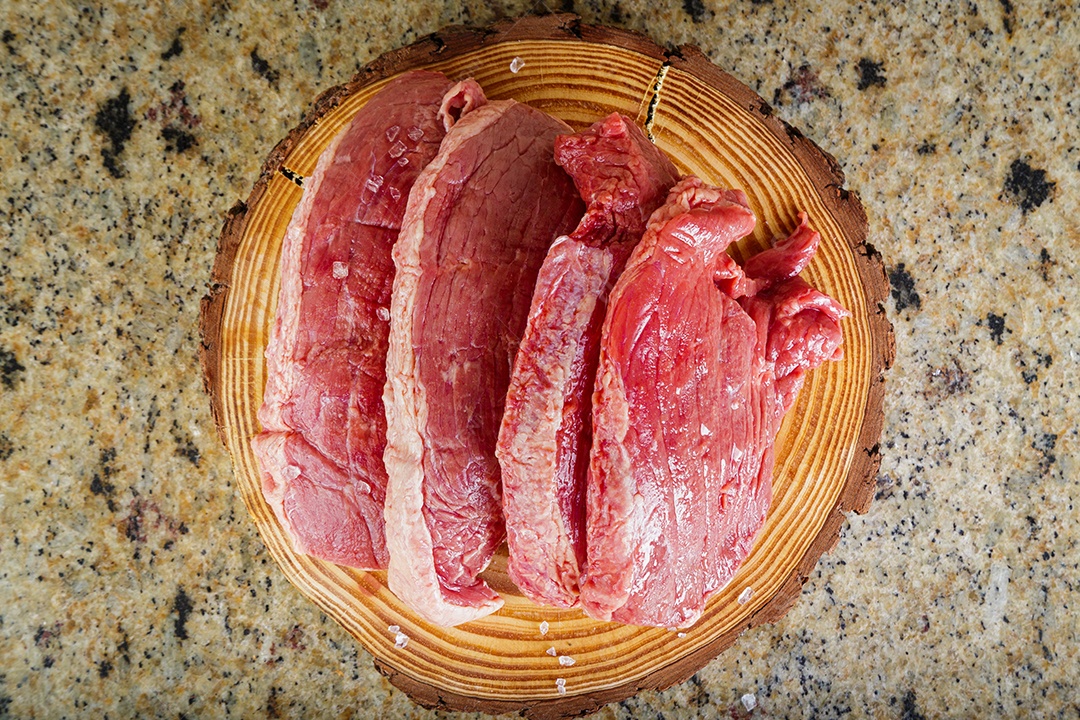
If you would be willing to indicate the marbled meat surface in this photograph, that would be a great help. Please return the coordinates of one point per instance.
(323, 425)
(699, 361)
(546, 429)
(480, 221)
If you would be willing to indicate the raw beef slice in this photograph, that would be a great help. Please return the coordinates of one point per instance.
(690, 392)
(544, 440)
(324, 429)
(480, 219)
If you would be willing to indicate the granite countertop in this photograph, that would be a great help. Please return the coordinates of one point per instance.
(132, 581)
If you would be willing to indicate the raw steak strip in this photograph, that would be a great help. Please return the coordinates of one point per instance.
(546, 429)
(480, 219)
(689, 398)
(324, 429)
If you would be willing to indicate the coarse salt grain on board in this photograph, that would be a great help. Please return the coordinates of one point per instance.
(566, 660)
(745, 595)
(544, 627)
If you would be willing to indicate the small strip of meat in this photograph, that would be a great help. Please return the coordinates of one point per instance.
(480, 220)
(803, 324)
(545, 436)
(323, 425)
(698, 364)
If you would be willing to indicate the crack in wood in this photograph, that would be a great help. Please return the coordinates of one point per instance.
(654, 101)
(293, 176)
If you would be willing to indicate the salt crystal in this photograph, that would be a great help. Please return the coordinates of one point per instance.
(397, 149)
(392, 133)
(340, 269)
(749, 701)
(383, 313)
(516, 64)
(373, 183)
(560, 685)
(394, 628)
(403, 161)
(401, 640)
(566, 660)
(745, 595)
(292, 472)
(551, 651)
(394, 193)
(544, 627)
(415, 133)
(705, 431)
(681, 635)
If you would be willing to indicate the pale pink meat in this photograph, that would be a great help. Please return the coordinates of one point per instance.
(545, 435)
(479, 222)
(698, 363)
(323, 424)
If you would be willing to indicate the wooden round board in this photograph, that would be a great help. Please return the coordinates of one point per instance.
(826, 453)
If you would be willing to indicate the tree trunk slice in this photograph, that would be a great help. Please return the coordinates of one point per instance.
(826, 454)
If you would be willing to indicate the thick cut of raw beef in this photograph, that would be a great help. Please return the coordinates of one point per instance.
(690, 391)
(324, 429)
(546, 433)
(480, 220)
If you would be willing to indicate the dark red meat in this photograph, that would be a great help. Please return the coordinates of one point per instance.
(545, 436)
(480, 220)
(324, 429)
(690, 391)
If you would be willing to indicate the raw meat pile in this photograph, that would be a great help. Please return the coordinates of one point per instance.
(493, 328)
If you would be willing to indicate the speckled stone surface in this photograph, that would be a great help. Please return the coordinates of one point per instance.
(131, 580)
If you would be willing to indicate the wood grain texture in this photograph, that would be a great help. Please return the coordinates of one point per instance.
(827, 456)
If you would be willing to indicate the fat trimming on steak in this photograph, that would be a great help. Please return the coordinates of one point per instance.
(546, 433)
(690, 392)
(324, 429)
(480, 220)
